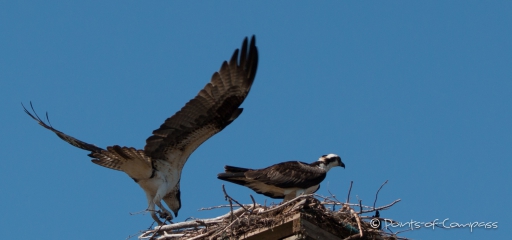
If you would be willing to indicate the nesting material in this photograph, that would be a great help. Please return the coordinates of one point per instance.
(304, 217)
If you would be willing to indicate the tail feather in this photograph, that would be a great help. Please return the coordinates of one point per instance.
(234, 174)
(232, 169)
(237, 178)
(229, 176)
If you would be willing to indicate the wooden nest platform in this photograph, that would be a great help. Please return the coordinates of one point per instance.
(304, 217)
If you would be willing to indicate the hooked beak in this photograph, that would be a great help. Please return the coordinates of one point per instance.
(342, 164)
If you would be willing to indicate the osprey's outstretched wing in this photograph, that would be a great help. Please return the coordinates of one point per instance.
(157, 168)
(113, 157)
(214, 107)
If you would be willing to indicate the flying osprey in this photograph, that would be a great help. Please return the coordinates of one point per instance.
(283, 180)
(157, 168)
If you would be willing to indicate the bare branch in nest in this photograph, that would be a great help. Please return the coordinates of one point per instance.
(377, 194)
(253, 207)
(401, 231)
(383, 207)
(154, 235)
(198, 222)
(253, 202)
(322, 197)
(139, 212)
(356, 216)
(200, 236)
(227, 226)
(349, 190)
(169, 236)
(363, 208)
(353, 236)
(297, 205)
(360, 203)
(333, 196)
(285, 204)
(221, 206)
(228, 197)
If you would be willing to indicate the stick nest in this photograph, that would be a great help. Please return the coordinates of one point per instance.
(246, 219)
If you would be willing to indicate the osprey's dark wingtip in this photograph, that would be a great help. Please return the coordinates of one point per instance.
(27, 112)
(253, 41)
(36, 117)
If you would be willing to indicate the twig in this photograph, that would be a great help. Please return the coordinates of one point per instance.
(195, 223)
(285, 204)
(352, 236)
(350, 204)
(231, 210)
(253, 203)
(401, 231)
(229, 199)
(139, 212)
(324, 197)
(356, 216)
(377, 194)
(231, 223)
(200, 236)
(349, 190)
(227, 196)
(334, 196)
(395, 234)
(174, 235)
(154, 235)
(221, 206)
(297, 205)
(219, 232)
(253, 207)
(369, 209)
(383, 207)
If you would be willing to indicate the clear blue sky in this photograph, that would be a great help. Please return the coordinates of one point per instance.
(417, 93)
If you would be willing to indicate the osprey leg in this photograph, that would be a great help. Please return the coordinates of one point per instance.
(152, 211)
(166, 214)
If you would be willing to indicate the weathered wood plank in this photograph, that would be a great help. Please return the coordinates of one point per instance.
(316, 232)
(280, 231)
(292, 228)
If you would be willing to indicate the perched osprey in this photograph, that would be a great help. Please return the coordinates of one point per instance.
(283, 180)
(157, 168)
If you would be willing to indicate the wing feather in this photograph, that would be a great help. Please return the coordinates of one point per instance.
(289, 174)
(127, 159)
(114, 157)
(214, 107)
(69, 139)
